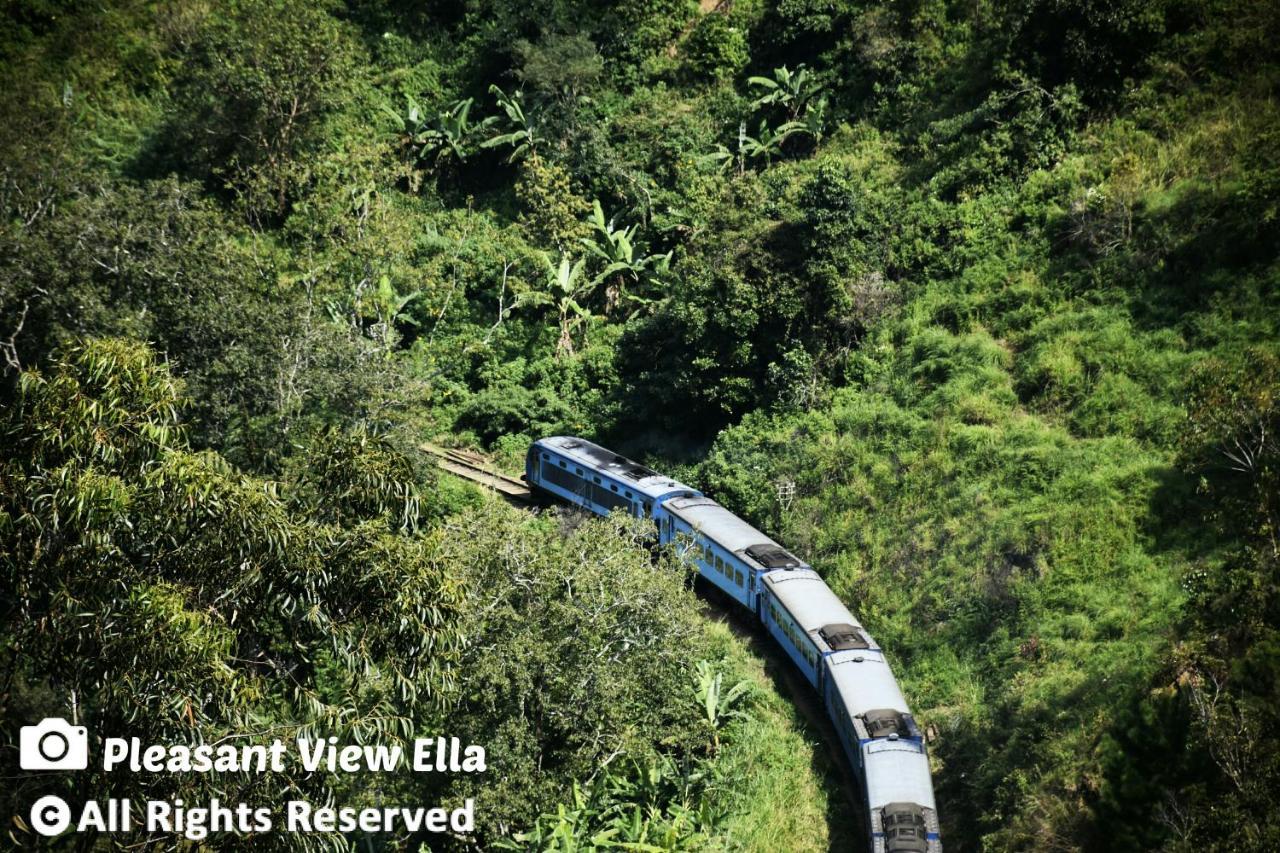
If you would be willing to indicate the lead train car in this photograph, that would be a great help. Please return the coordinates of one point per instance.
(809, 623)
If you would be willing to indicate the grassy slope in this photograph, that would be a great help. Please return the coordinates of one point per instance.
(998, 495)
(787, 792)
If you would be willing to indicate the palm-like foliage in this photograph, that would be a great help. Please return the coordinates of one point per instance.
(799, 96)
(655, 808)
(721, 159)
(622, 258)
(814, 120)
(567, 286)
(804, 115)
(389, 310)
(788, 89)
(376, 312)
(522, 134)
(768, 141)
(434, 139)
(647, 809)
(718, 704)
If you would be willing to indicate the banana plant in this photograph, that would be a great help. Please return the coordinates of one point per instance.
(767, 143)
(437, 138)
(523, 133)
(788, 89)
(568, 287)
(647, 810)
(761, 148)
(388, 309)
(814, 120)
(718, 705)
(721, 159)
(622, 261)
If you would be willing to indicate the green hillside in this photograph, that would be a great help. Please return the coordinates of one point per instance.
(974, 305)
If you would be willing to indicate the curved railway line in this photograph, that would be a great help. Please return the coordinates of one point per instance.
(884, 744)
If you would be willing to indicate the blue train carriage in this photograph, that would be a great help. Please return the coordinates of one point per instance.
(582, 473)
(729, 553)
(901, 812)
(808, 621)
(886, 749)
(865, 702)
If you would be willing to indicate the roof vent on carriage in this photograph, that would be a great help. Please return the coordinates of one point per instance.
(886, 722)
(904, 828)
(841, 637)
(773, 557)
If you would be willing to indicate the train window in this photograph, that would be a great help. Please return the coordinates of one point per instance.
(562, 465)
(628, 493)
(648, 509)
(613, 487)
(595, 479)
(737, 578)
(545, 456)
(578, 470)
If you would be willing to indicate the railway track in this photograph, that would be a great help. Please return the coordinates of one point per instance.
(474, 467)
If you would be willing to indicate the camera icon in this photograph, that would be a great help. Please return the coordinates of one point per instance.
(53, 744)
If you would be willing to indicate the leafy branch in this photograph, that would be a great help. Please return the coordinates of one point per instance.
(522, 134)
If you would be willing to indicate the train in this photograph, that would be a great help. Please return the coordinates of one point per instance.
(832, 650)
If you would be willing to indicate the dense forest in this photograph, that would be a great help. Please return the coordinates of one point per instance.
(976, 305)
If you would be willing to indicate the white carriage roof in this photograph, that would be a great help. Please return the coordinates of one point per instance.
(897, 772)
(865, 682)
(730, 532)
(809, 601)
(643, 479)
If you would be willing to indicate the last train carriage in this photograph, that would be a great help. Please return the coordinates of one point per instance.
(809, 623)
